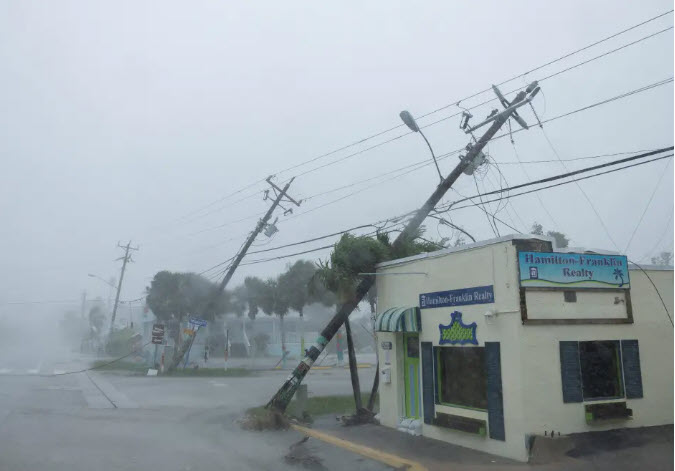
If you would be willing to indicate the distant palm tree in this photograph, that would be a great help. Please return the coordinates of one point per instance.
(618, 274)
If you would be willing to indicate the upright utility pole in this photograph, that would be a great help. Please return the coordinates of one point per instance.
(126, 258)
(280, 195)
(474, 157)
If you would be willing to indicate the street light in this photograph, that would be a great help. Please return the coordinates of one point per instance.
(410, 122)
(109, 283)
(101, 279)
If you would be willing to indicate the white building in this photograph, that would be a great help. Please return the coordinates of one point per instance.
(491, 344)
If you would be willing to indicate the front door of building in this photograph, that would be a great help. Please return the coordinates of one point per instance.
(411, 375)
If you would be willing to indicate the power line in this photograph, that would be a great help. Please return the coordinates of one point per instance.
(549, 179)
(563, 183)
(663, 234)
(569, 174)
(644, 38)
(578, 185)
(456, 103)
(665, 308)
(555, 118)
(656, 187)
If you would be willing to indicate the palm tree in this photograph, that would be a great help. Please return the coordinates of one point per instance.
(295, 282)
(353, 255)
(618, 274)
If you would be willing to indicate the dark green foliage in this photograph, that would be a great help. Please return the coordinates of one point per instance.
(354, 255)
(175, 295)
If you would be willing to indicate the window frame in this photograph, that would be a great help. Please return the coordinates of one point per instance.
(439, 383)
(619, 373)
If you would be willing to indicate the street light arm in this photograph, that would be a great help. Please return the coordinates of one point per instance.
(101, 279)
(432, 154)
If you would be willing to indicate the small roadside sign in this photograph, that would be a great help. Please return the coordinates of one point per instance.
(199, 322)
(157, 334)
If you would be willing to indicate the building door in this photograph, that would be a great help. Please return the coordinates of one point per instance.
(411, 375)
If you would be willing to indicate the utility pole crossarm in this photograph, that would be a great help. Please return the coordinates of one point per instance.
(283, 396)
(262, 223)
(126, 258)
(258, 228)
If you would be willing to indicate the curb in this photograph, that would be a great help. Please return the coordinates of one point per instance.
(387, 458)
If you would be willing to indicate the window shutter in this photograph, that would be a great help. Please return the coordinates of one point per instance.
(428, 382)
(495, 400)
(632, 375)
(570, 372)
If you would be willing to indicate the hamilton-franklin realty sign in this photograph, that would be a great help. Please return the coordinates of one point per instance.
(457, 297)
(573, 270)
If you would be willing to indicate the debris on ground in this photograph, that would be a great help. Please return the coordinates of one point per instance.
(300, 455)
(264, 419)
(362, 416)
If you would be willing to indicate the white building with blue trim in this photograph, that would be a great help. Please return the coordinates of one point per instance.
(491, 344)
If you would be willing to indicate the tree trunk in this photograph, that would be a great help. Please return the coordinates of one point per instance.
(353, 372)
(302, 333)
(376, 385)
(283, 341)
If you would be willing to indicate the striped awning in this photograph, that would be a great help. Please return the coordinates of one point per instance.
(399, 319)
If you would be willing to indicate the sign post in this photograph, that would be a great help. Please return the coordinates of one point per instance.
(197, 323)
(157, 339)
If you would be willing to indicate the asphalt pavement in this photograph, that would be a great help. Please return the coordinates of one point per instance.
(104, 421)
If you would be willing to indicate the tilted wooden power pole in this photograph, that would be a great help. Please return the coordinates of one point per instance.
(280, 195)
(474, 157)
(126, 258)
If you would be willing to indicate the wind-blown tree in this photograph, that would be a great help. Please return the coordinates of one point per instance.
(295, 282)
(174, 296)
(239, 300)
(255, 290)
(274, 300)
(353, 255)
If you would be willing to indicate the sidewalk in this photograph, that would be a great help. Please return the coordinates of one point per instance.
(364, 360)
(628, 449)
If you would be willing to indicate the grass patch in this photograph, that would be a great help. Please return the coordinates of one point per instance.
(231, 372)
(324, 405)
(259, 418)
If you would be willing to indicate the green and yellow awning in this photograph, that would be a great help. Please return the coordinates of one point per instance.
(399, 319)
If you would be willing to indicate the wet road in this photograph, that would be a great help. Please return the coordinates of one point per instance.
(92, 420)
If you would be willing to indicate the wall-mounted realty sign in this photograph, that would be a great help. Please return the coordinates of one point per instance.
(458, 297)
(457, 332)
(573, 270)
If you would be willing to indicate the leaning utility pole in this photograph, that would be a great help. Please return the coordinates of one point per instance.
(280, 194)
(468, 163)
(270, 229)
(126, 258)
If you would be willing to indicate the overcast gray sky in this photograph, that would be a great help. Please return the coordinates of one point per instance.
(117, 119)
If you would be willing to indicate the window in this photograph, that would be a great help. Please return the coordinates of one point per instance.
(412, 346)
(461, 377)
(570, 296)
(600, 363)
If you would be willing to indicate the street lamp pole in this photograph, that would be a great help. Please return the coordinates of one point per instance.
(409, 121)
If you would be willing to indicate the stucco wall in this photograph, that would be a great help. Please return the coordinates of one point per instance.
(530, 362)
(490, 265)
(545, 410)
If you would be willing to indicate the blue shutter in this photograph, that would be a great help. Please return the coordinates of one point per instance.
(495, 400)
(428, 382)
(570, 372)
(632, 375)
